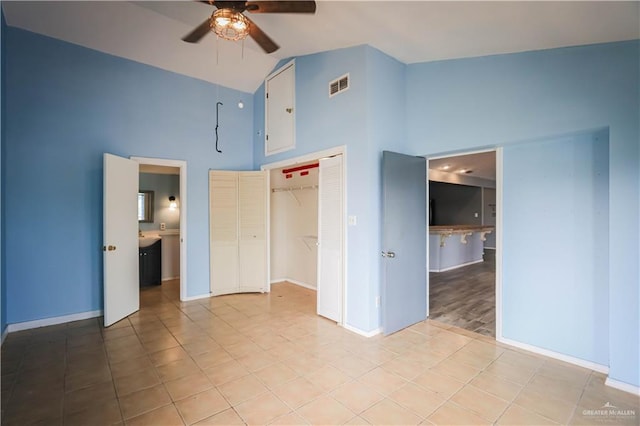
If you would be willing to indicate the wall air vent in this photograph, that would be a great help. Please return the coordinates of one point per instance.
(339, 85)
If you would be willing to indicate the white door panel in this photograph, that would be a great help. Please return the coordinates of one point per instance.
(238, 224)
(280, 111)
(253, 266)
(330, 238)
(120, 238)
(224, 268)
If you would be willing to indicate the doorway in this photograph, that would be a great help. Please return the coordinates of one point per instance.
(307, 236)
(170, 206)
(462, 241)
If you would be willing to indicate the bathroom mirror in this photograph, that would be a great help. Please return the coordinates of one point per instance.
(145, 206)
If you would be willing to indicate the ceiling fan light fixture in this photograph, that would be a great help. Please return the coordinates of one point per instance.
(229, 24)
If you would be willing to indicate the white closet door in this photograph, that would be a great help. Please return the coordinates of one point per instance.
(330, 238)
(252, 198)
(223, 217)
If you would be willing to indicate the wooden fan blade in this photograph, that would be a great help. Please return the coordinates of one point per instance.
(281, 6)
(199, 32)
(262, 38)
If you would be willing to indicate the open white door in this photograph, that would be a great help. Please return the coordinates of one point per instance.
(120, 238)
(330, 230)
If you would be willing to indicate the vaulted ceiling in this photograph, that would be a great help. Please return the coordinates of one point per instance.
(410, 31)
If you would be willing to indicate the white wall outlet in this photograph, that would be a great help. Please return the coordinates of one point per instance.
(163, 226)
(475, 214)
(353, 220)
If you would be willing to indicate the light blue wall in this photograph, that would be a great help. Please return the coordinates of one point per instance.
(497, 100)
(556, 245)
(66, 106)
(386, 106)
(163, 187)
(366, 118)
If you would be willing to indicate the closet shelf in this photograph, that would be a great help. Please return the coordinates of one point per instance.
(294, 188)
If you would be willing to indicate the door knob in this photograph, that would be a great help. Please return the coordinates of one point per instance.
(289, 110)
(111, 248)
(389, 254)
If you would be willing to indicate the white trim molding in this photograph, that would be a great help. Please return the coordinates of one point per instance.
(626, 387)
(200, 296)
(462, 265)
(294, 282)
(28, 325)
(361, 332)
(556, 355)
(498, 234)
(4, 335)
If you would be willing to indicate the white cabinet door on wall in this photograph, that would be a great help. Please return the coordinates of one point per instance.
(238, 232)
(280, 110)
(330, 238)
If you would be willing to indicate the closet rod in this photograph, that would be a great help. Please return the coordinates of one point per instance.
(294, 188)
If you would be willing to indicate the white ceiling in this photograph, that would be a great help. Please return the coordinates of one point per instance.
(158, 170)
(482, 165)
(410, 31)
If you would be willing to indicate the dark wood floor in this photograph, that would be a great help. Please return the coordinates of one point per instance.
(465, 297)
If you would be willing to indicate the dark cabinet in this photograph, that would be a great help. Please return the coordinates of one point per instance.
(150, 264)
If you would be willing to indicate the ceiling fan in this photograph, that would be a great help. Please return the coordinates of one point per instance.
(230, 23)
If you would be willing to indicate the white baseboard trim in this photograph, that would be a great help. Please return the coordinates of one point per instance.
(457, 266)
(4, 335)
(361, 332)
(298, 283)
(626, 387)
(490, 248)
(201, 296)
(556, 355)
(27, 325)
(171, 278)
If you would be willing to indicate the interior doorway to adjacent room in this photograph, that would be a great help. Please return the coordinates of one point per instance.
(462, 241)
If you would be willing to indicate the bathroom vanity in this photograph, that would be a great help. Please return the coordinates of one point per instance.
(150, 261)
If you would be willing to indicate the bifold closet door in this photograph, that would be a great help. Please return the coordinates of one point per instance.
(238, 227)
(223, 226)
(330, 238)
(252, 249)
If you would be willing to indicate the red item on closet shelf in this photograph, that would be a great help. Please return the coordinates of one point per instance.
(299, 168)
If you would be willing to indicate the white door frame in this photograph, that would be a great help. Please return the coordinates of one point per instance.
(338, 150)
(499, 177)
(182, 165)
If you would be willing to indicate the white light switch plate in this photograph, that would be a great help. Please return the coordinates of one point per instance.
(163, 226)
(353, 221)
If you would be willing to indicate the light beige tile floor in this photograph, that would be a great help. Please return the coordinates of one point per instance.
(268, 359)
